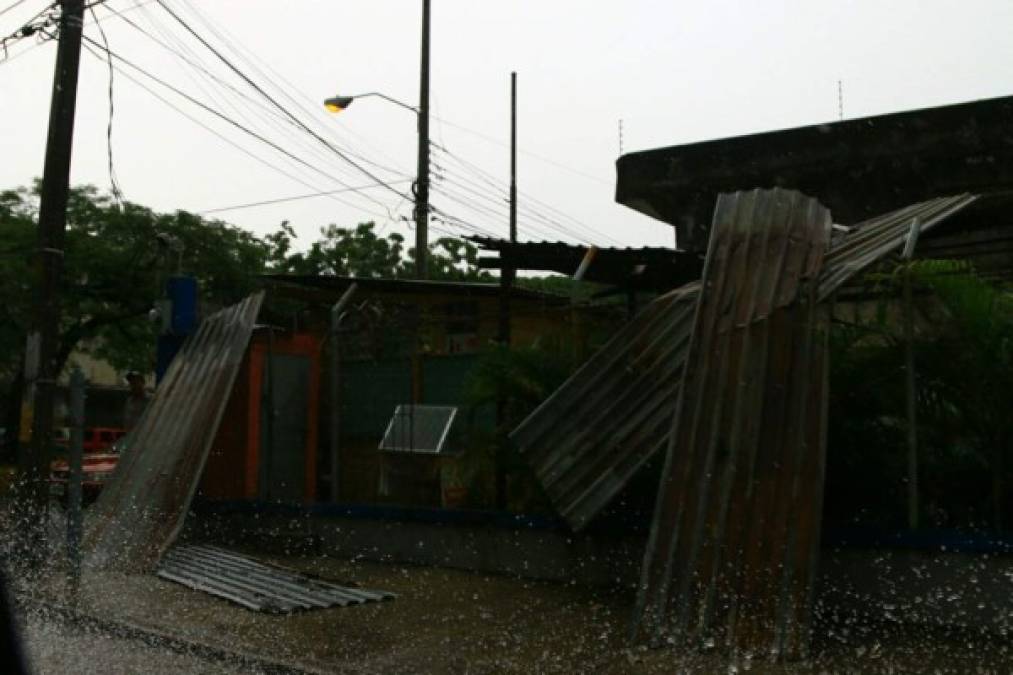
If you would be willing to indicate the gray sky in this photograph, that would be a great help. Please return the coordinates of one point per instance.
(675, 72)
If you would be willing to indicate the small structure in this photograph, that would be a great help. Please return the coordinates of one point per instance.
(413, 346)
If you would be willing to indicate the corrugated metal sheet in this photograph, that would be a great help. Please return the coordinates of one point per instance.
(654, 268)
(870, 241)
(254, 585)
(731, 554)
(139, 514)
(589, 438)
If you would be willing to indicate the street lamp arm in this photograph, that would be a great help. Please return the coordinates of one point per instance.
(385, 97)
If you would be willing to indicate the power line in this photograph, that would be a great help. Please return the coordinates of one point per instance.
(37, 25)
(217, 114)
(11, 6)
(274, 102)
(222, 137)
(281, 200)
(47, 37)
(532, 212)
(113, 183)
(195, 62)
(283, 109)
(541, 158)
(289, 91)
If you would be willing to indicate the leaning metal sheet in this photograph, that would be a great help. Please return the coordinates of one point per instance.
(605, 422)
(731, 553)
(871, 240)
(141, 511)
(254, 585)
(588, 439)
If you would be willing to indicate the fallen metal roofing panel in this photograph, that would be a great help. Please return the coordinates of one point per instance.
(255, 585)
(870, 241)
(589, 438)
(585, 441)
(141, 511)
(732, 549)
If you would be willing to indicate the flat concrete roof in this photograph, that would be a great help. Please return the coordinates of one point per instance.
(858, 168)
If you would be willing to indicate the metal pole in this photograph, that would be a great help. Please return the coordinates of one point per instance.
(422, 184)
(42, 341)
(74, 517)
(912, 428)
(337, 314)
(909, 376)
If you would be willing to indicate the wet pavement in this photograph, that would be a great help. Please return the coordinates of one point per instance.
(54, 648)
(449, 621)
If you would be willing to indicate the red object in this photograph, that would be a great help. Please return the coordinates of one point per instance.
(97, 469)
(101, 438)
(232, 471)
(95, 438)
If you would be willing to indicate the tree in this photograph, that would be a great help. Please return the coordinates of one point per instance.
(968, 365)
(964, 381)
(116, 262)
(360, 252)
(118, 257)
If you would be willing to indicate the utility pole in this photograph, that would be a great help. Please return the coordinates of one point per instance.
(41, 346)
(422, 182)
(506, 281)
(513, 161)
(507, 270)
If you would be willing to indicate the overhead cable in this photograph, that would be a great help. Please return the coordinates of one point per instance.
(274, 102)
(214, 112)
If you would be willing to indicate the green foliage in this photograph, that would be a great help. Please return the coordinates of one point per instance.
(964, 382)
(118, 257)
(518, 379)
(115, 264)
(361, 252)
(582, 291)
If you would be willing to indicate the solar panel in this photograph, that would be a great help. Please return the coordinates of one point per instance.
(419, 428)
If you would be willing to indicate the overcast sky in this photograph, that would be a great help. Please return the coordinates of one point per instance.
(674, 72)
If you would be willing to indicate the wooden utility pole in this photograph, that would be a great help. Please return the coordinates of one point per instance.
(41, 368)
(507, 274)
(507, 271)
(422, 183)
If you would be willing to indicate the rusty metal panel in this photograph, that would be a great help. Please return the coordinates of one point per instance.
(731, 554)
(140, 513)
(589, 438)
(870, 241)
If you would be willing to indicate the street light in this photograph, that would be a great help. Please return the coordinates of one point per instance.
(421, 188)
(338, 103)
